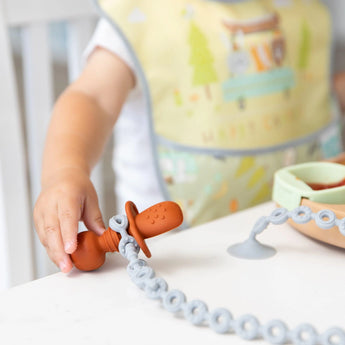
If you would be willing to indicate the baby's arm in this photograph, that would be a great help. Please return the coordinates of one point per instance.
(82, 121)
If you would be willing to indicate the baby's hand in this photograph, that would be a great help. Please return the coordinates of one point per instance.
(68, 198)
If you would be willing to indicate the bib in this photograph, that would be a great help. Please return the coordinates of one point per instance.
(235, 91)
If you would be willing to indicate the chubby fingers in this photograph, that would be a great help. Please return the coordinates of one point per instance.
(92, 215)
(48, 230)
(57, 221)
(57, 228)
(69, 214)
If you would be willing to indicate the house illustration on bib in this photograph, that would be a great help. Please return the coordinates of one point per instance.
(257, 59)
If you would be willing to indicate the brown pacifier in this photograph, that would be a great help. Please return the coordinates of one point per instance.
(157, 219)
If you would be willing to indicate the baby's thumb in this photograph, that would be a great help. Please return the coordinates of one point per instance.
(92, 216)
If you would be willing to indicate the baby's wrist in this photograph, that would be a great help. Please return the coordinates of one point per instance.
(64, 172)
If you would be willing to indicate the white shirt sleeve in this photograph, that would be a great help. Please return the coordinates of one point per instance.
(107, 37)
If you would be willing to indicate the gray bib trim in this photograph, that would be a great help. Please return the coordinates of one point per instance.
(245, 152)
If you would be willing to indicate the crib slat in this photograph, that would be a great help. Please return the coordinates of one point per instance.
(15, 193)
(39, 95)
(4, 254)
(79, 32)
(19, 12)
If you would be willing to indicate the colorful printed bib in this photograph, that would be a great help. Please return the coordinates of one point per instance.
(236, 90)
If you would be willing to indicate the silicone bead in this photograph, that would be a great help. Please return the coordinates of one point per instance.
(155, 288)
(134, 266)
(247, 327)
(124, 242)
(118, 222)
(304, 334)
(341, 226)
(275, 332)
(174, 300)
(140, 277)
(325, 219)
(195, 312)
(333, 336)
(301, 214)
(279, 216)
(220, 320)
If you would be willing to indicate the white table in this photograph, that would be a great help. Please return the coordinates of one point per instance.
(304, 282)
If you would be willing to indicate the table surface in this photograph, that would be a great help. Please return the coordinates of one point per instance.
(303, 282)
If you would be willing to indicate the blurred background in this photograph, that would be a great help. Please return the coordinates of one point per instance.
(41, 44)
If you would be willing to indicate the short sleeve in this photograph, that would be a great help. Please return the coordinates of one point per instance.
(107, 37)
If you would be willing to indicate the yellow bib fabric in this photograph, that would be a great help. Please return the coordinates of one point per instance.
(236, 90)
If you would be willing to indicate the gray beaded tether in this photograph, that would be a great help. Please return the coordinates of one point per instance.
(221, 320)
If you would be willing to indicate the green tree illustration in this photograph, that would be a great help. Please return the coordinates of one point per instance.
(201, 59)
(304, 47)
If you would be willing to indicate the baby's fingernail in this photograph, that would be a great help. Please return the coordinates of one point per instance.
(99, 231)
(63, 266)
(70, 246)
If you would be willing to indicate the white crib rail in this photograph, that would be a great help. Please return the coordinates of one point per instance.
(13, 171)
(22, 12)
(38, 95)
(21, 159)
